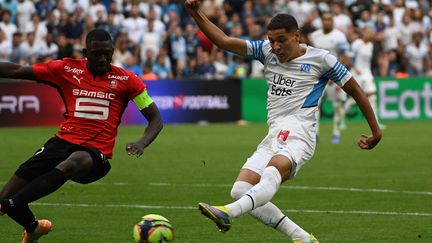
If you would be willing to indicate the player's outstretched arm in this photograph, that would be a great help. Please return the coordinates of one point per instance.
(155, 124)
(216, 35)
(366, 142)
(15, 71)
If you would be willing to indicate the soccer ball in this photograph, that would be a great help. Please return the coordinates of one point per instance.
(153, 228)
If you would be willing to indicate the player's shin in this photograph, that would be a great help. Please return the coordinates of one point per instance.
(20, 213)
(273, 217)
(40, 187)
(258, 195)
(239, 189)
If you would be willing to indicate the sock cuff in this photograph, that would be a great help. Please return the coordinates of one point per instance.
(242, 185)
(273, 173)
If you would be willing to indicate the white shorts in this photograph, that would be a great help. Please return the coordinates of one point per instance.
(335, 93)
(366, 81)
(292, 137)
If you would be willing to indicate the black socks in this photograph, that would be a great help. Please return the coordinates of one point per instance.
(17, 206)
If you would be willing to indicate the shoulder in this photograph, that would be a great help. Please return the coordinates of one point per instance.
(123, 75)
(313, 51)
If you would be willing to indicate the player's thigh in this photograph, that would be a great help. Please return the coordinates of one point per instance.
(46, 158)
(254, 166)
(295, 139)
(100, 166)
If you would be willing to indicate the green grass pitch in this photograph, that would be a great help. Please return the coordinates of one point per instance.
(343, 194)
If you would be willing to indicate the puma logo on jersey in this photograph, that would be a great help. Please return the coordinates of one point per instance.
(77, 79)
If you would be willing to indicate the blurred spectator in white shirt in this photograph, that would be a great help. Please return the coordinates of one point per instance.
(406, 29)
(70, 5)
(145, 7)
(150, 40)
(416, 54)
(121, 52)
(341, 21)
(6, 25)
(5, 47)
(97, 10)
(134, 25)
(220, 65)
(33, 48)
(18, 54)
(36, 26)
(25, 10)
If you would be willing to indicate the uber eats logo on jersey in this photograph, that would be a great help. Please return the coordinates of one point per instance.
(282, 86)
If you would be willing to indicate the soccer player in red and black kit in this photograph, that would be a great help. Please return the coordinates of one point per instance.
(95, 94)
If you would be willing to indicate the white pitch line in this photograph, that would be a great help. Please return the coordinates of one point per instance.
(316, 188)
(84, 205)
(319, 188)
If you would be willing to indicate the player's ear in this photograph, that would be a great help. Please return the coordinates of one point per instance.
(84, 52)
(297, 35)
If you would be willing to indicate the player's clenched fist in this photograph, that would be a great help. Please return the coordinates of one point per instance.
(192, 6)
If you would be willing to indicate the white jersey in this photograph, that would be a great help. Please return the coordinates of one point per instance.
(362, 55)
(362, 65)
(335, 41)
(295, 87)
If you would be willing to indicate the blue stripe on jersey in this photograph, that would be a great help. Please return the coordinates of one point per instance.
(313, 97)
(257, 52)
(336, 73)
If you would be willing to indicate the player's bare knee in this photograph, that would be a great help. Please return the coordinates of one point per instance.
(283, 164)
(78, 163)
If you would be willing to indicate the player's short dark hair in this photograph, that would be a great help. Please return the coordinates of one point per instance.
(283, 21)
(98, 35)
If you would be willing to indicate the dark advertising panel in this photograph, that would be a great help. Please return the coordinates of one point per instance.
(192, 101)
(30, 104)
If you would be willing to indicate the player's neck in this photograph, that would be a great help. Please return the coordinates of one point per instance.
(301, 50)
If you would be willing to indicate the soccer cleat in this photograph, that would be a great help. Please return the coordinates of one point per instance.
(219, 215)
(335, 139)
(44, 227)
(312, 240)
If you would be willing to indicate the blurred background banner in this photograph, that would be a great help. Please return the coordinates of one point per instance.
(31, 104)
(192, 101)
(405, 98)
(398, 99)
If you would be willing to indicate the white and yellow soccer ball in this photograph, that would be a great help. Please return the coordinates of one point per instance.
(153, 228)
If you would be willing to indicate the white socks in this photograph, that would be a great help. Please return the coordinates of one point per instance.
(259, 194)
(271, 215)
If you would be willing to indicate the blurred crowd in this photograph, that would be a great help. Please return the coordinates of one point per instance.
(156, 39)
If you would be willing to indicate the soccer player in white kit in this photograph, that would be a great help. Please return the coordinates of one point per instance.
(296, 75)
(361, 70)
(334, 41)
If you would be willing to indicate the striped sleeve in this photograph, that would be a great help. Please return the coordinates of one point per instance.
(335, 71)
(255, 51)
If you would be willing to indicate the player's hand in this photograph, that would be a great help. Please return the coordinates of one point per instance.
(191, 6)
(136, 149)
(368, 142)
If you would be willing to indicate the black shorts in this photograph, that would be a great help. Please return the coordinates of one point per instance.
(54, 152)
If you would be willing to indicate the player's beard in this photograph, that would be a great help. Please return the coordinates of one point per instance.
(102, 69)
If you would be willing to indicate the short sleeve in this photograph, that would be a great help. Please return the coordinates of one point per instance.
(136, 86)
(255, 50)
(335, 71)
(48, 71)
